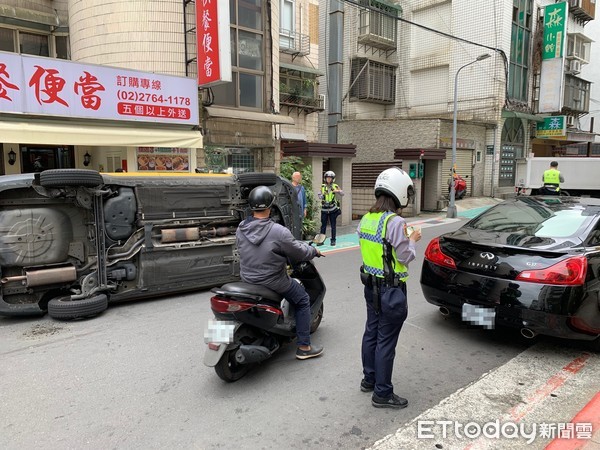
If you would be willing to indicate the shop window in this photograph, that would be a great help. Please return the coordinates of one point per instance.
(247, 58)
(228, 160)
(39, 157)
(372, 81)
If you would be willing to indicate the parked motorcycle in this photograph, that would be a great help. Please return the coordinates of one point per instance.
(252, 322)
(460, 187)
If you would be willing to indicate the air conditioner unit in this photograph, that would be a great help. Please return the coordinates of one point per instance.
(575, 67)
(571, 121)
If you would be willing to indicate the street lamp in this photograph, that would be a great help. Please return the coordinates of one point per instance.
(452, 205)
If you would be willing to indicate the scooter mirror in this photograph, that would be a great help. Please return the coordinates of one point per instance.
(319, 239)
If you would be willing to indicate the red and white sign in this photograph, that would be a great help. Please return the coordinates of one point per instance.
(47, 86)
(214, 46)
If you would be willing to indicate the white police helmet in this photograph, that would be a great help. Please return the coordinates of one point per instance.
(329, 173)
(396, 183)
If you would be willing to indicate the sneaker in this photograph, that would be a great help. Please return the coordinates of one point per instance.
(312, 353)
(333, 242)
(366, 386)
(392, 402)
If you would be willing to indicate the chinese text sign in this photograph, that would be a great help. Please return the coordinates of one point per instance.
(214, 46)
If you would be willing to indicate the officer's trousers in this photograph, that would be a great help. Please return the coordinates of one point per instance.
(379, 347)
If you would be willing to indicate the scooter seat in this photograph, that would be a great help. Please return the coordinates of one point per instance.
(249, 291)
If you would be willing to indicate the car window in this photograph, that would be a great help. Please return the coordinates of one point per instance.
(534, 219)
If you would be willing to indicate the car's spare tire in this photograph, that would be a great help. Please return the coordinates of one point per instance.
(70, 177)
(64, 308)
(257, 179)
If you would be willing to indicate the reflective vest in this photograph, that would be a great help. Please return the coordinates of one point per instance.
(328, 201)
(370, 236)
(552, 176)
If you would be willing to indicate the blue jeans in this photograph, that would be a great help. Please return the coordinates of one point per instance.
(298, 296)
(332, 217)
(379, 347)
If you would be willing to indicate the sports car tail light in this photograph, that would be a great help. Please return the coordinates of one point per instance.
(569, 272)
(434, 254)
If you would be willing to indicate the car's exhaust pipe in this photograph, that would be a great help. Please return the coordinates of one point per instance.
(445, 311)
(528, 333)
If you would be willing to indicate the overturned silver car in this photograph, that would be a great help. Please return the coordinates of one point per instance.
(72, 240)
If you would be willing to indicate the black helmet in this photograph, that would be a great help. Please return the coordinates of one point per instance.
(261, 198)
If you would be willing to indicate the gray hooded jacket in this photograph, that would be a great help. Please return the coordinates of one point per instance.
(265, 248)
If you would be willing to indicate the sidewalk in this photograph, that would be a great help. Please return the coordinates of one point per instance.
(467, 208)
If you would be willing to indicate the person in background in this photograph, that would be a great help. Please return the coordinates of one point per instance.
(552, 179)
(37, 164)
(330, 204)
(301, 193)
(387, 246)
(119, 169)
(265, 247)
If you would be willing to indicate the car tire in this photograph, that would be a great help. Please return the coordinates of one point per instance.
(257, 179)
(70, 177)
(63, 308)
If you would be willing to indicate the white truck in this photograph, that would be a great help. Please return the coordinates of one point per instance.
(581, 175)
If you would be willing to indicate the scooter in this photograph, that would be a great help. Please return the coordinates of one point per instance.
(460, 187)
(253, 322)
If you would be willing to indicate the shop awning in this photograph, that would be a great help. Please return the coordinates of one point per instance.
(61, 133)
(229, 113)
(521, 115)
(294, 67)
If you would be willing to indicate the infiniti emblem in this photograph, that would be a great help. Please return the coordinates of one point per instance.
(487, 255)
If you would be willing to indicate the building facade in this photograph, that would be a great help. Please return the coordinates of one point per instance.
(401, 64)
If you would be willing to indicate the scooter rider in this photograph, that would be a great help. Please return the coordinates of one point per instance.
(265, 247)
(387, 245)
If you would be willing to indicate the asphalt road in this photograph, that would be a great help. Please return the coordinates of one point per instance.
(133, 377)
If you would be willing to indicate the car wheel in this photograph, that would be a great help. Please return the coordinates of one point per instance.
(70, 177)
(257, 179)
(63, 308)
(317, 320)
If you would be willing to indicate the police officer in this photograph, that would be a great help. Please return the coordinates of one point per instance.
(552, 179)
(330, 204)
(387, 245)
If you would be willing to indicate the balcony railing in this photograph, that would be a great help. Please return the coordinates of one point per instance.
(583, 9)
(303, 103)
(293, 43)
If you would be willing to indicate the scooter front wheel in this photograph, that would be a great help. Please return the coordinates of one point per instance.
(228, 369)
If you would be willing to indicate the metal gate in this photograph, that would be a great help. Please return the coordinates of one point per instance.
(464, 167)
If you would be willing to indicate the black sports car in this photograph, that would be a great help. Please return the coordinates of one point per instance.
(531, 263)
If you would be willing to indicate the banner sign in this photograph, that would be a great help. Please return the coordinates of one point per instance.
(554, 127)
(163, 159)
(55, 87)
(214, 42)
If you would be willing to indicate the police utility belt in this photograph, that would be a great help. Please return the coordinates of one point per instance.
(371, 280)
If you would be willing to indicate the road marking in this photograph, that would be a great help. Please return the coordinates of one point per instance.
(518, 412)
(589, 414)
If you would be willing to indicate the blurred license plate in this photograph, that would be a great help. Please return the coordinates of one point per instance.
(219, 331)
(478, 315)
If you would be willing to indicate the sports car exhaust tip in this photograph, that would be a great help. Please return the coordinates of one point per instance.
(445, 311)
(528, 333)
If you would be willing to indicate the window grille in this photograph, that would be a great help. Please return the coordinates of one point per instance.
(372, 81)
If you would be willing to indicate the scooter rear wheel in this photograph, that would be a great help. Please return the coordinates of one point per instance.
(228, 369)
(317, 320)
